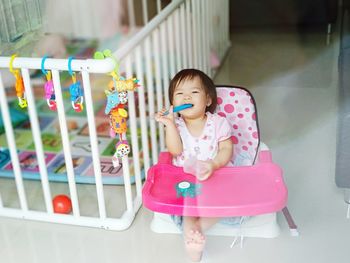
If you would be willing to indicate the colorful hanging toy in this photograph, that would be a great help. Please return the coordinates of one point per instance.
(49, 88)
(19, 85)
(117, 98)
(76, 93)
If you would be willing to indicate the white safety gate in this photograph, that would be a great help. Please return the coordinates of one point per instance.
(183, 35)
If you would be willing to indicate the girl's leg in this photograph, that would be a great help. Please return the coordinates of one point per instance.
(193, 238)
(207, 222)
(190, 223)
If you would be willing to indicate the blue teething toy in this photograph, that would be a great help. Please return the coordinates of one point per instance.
(179, 108)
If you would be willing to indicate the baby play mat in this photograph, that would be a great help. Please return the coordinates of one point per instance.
(50, 132)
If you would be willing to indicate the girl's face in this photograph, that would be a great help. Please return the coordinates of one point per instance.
(191, 91)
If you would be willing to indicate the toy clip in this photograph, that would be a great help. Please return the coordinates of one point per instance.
(75, 90)
(108, 54)
(19, 85)
(49, 88)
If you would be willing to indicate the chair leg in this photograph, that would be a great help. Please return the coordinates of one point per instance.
(329, 28)
(347, 201)
(329, 34)
(292, 226)
(234, 242)
(240, 233)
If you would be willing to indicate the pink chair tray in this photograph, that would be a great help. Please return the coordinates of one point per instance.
(230, 191)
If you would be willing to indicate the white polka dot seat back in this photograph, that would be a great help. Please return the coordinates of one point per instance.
(237, 105)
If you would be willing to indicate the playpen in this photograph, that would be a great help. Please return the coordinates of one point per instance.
(186, 33)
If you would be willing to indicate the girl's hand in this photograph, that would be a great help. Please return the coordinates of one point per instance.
(167, 119)
(205, 169)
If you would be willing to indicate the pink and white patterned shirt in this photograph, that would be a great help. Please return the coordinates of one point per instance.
(204, 147)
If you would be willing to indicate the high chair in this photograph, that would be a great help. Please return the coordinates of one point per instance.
(253, 190)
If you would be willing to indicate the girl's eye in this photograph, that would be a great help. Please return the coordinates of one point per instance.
(179, 93)
(195, 91)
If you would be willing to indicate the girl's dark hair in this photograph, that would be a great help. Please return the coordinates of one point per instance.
(207, 83)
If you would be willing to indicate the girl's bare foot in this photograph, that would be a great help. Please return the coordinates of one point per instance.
(194, 244)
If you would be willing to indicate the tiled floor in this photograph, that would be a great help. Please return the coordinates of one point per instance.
(294, 80)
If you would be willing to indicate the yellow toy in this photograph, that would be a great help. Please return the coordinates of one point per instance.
(19, 85)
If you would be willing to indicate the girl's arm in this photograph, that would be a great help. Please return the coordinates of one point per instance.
(223, 156)
(173, 140)
(172, 137)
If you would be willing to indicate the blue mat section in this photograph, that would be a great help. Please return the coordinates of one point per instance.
(56, 169)
(17, 117)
